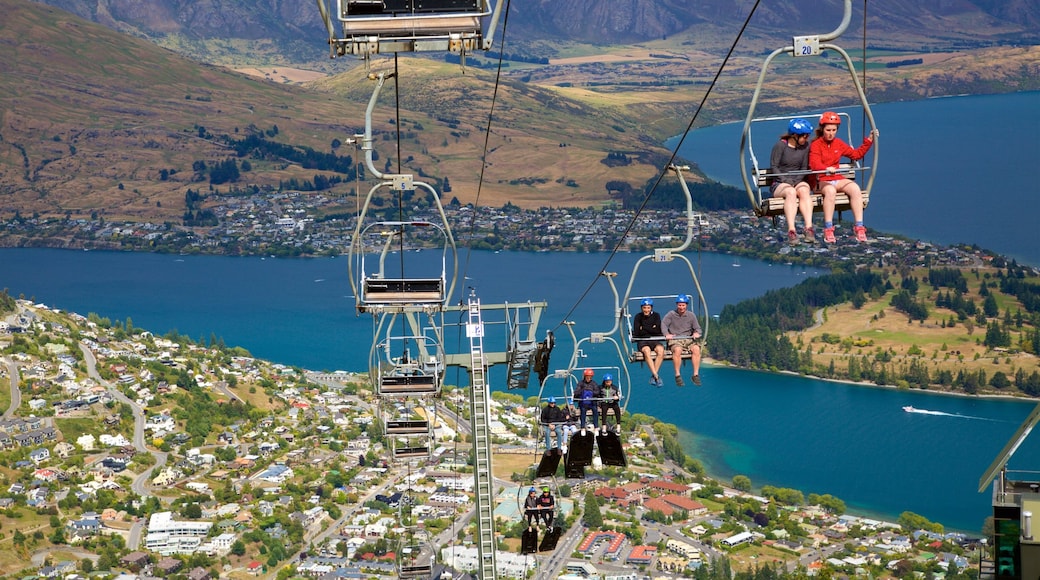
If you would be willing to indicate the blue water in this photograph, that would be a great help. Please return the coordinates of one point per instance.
(820, 437)
(953, 170)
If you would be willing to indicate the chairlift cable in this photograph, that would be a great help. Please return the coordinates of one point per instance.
(487, 135)
(664, 171)
(863, 114)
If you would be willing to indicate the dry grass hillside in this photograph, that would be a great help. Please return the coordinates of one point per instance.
(94, 122)
(877, 327)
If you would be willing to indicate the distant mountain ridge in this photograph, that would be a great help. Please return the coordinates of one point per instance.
(295, 31)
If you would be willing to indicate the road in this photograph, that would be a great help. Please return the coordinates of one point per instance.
(140, 484)
(16, 393)
(393, 476)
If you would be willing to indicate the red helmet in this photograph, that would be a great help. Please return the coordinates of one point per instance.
(830, 118)
(589, 373)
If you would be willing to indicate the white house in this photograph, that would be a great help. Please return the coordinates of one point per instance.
(40, 455)
(86, 442)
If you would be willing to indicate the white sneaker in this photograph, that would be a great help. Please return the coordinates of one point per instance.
(564, 449)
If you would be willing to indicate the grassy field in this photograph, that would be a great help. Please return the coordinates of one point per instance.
(877, 327)
(15, 558)
(72, 429)
(750, 556)
(506, 464)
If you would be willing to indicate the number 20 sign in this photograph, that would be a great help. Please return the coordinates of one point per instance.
(806, 45)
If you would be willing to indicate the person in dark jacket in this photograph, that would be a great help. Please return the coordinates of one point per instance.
(531, 508)
(610, 398)
(547, 506)
(646, 331)
(553, 420)
(586, 393)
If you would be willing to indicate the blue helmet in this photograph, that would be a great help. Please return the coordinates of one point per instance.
(532, 490)
(608, 377)
(552, 399)
(647, 302)
(683, 298)
(799, 127)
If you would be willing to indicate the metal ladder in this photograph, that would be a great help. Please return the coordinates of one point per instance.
(480, 411)
(519, 363)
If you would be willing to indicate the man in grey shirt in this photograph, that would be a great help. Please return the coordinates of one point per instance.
(683, 331)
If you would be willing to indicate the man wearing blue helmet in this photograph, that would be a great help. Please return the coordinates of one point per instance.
(646, 331)
(789, 166)
(552, 420)
(683, 331)
(610, 398)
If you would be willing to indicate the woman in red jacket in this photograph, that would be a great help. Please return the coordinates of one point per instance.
(825, 155)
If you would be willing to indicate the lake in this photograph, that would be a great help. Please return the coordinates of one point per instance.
(853, 442)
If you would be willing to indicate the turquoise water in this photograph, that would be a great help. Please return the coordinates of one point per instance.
(820, 437)
(946, 175)
(953, 170)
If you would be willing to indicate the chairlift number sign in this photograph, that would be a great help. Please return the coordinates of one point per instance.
(806, 45)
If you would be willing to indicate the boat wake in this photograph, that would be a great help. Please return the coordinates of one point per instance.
(909, 409)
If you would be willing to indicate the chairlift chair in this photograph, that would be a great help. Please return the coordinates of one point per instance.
(389, 26)
(757, 179)
(381, 290)
(407, 374)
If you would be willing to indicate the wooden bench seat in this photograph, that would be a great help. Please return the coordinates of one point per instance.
(774, 206)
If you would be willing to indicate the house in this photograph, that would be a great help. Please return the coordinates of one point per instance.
(64, 449)
(135, 560)
(198, 573)
(40, 455)
(168, 566)
(254, 568)
(85, 527)
(86, 442)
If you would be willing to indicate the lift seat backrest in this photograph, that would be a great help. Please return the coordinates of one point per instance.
(407, 427)
(406, 452)
(407, 384)
(774, 206)
(419, 571)
(403, 291)
(410, 18)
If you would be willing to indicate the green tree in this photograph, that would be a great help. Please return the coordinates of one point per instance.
(593, 518)
(741, 483)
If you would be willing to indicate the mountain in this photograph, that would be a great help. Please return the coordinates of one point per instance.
(99, 124)
(283, 31)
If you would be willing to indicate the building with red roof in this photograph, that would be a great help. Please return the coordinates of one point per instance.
(680, 502)
(663, 486)
(659, 505)
(641, 555)
(615, 541)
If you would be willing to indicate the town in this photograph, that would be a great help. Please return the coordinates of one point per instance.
(298, 224)
(130, 455)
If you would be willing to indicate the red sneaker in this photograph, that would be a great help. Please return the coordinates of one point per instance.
(828, 235)
(861, 233)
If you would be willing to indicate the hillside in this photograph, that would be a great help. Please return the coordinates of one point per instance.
(121, 129)
(116, 125)
(282, 32)
(953, 348)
